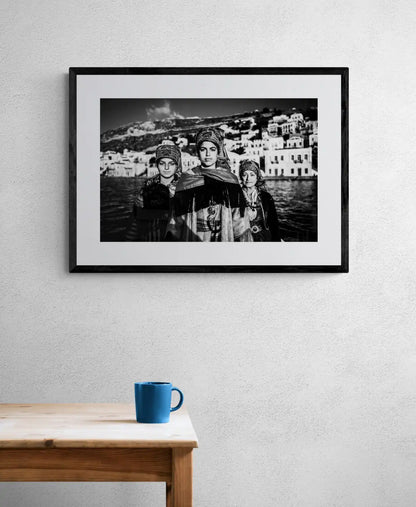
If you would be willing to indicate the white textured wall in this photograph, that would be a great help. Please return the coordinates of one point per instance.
(301, 386)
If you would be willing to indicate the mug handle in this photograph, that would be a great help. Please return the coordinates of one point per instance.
(172, 409)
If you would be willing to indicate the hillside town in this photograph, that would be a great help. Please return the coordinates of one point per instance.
(285, 146)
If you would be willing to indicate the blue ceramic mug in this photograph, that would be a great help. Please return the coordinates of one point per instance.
(153, 401)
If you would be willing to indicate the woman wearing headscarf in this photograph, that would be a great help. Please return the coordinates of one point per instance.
(152, 206)
(209, 204)
(262, 213)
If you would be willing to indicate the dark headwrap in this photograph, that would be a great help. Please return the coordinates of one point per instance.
(216, 136)
(250, 165)
(169, 151)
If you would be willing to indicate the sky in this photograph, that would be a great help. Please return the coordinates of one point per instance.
(117, 112)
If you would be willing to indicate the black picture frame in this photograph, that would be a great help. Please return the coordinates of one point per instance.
(75, 72)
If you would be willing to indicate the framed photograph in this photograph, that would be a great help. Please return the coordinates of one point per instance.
(208, 169)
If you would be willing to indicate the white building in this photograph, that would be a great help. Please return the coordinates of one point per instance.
(255, 151)
(245, 143)
(182, 142)
(188, 161)
(313, 139)
(295, 142)
(291, 162)
(312, 126)
(274, 125)
(247, 137)
(121, 170)
(297, 117)
(276, 143)
(273, 129)
(129, 156)
(258, 143)
(230, 144)
(289, 127)
(131, 163)
(252, 154)
(108, 158)
(235, 160)
(271, 142)
(142, 163)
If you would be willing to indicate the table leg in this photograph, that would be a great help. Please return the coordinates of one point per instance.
(179, 492)
(169, 498)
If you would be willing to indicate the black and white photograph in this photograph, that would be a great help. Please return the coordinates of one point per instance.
(209, 169)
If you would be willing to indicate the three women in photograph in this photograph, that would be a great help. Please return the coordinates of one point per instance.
(207, 203)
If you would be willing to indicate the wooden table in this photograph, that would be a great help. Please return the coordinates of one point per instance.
(96, 442)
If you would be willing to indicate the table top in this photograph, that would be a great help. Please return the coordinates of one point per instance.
(89, 425)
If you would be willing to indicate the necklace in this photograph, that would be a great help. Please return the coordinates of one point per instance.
(212, 220)
(211, 207)
(251, 200)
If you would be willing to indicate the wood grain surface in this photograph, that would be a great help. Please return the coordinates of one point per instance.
(181, 477)
(86, 464)
(89, 425)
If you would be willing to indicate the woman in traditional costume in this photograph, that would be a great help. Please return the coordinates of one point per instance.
(209, 204)
(262, 213)
(152, 206)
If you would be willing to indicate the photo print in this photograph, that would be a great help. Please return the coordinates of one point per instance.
(214, 170)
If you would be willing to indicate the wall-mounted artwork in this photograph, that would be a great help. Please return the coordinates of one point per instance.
(209, 170)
